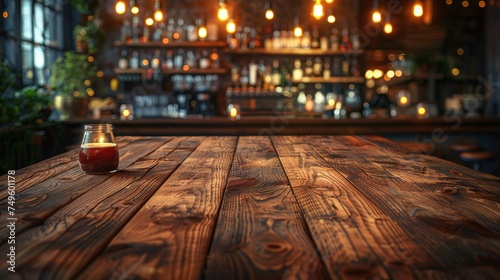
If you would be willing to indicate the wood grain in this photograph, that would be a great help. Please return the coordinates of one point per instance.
(37, 203)
(72, 237)
(329, 206)
(38, 172)
(417, 208)
(260, 232)
(170, 236)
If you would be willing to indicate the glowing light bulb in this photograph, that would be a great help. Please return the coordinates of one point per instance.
(318, 10)
(158, 15)
(202, 32)
(222, 13)
(331, 19)
(418, 9)
(297, 31)
(388, 28)
(134, 10)
(120, 7)
(376, 16)
(329, 1)
(269, 14)
(230, 26)
(149, 21)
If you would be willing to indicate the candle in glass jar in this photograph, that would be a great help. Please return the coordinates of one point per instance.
(233, 112)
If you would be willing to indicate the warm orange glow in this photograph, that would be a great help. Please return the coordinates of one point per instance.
(449, 2)
(90, 92)
(231, 27)
(120, 7)
(460, 51)
(329, 1)
(90, 58)
(421, 111)
(376, 16)
(202, 32)
(404, 100)
(149, 21)
(369, 74)
(86, 82)
(465, 4)
(185, 67)
(377, 74)
(126, 113)
(5, 14)
(269, 14)
(318, 10)
(158, 16)
(134, 10)
(482, 4)
(418, 9)
(233, 112)
(398, 73)
(176, 35)
(388, 28)
(100, 74)
(455, 71)
(331, 19)
(145, 62)
(222, 13)
(297, 31)
(165, 41)
(390, 74)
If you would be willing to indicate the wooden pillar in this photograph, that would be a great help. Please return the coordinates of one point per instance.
(492, 56)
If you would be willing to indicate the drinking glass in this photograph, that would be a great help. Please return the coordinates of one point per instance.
(98, 151)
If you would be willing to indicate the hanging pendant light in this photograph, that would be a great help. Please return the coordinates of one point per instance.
(418, 8)
(269, 10)
(376, 15)
(120, 7)
(158, 15)
(222, 13)
(318, 10)
(134, 8)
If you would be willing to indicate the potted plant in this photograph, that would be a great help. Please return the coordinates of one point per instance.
(72, 78)
(88, 37)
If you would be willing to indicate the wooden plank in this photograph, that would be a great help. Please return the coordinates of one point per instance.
(329, 203)
(38, 172)
(457, 240)
(260, 233)
(37, 203)
(70, 238)
(170, 236)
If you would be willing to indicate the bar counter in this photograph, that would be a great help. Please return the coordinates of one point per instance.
(283, 125)
(253, 207)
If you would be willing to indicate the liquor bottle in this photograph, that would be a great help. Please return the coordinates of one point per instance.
(305, 43)
(126, 32)
(319, 99)
(123, 61)
(156, 61)
(192, 32)
(326, 69)
(134, 60)
(169, 61)
(285, 75)
(317, 67)
(212, 31)
(308, 69)
(336, 67)
(261, 73)
(179, 59)
(252, 73)
(334, 39)
(158, 32)
(315, 37)
(190, 60)
(135, 29)
(170, 29)
(235, 76)
(297, 72)
(346, 44)
(244, 78)
(204, 60)
(346, 70)
(276, 74)
(178, 34)
(355, 72)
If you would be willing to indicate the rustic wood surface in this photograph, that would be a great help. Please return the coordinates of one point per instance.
(255, 207)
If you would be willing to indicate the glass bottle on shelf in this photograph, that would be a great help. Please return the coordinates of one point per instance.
(244, 78)
(297, 72)
(134, 60)
(135, 29)
(308, 69)
(190, 60)
(345, 67)
(179, 59)
(170, 29)
(315, 37)
(334, 39)
(355, 72)
(192, 32)
(319, 99)
(326, 69)
(212, 30)
(276, 74)
(126, 31)
(123, 61)
(346, 44)
(204, 60)
(178, 34)
(285, 75)
(169, 61)
(156, 61)
(252, 73)
(305, 42)
(336, 67)
(317, 67)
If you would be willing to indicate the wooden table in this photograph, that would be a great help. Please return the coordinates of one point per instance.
(282, 207)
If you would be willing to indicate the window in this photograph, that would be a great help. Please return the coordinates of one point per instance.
(32, 37)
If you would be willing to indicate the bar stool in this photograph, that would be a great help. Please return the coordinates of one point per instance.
(476, 158)
(464, 147)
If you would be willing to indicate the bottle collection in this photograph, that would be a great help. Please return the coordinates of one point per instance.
(274, 79)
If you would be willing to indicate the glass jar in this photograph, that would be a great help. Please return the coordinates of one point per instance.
(98, 151)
